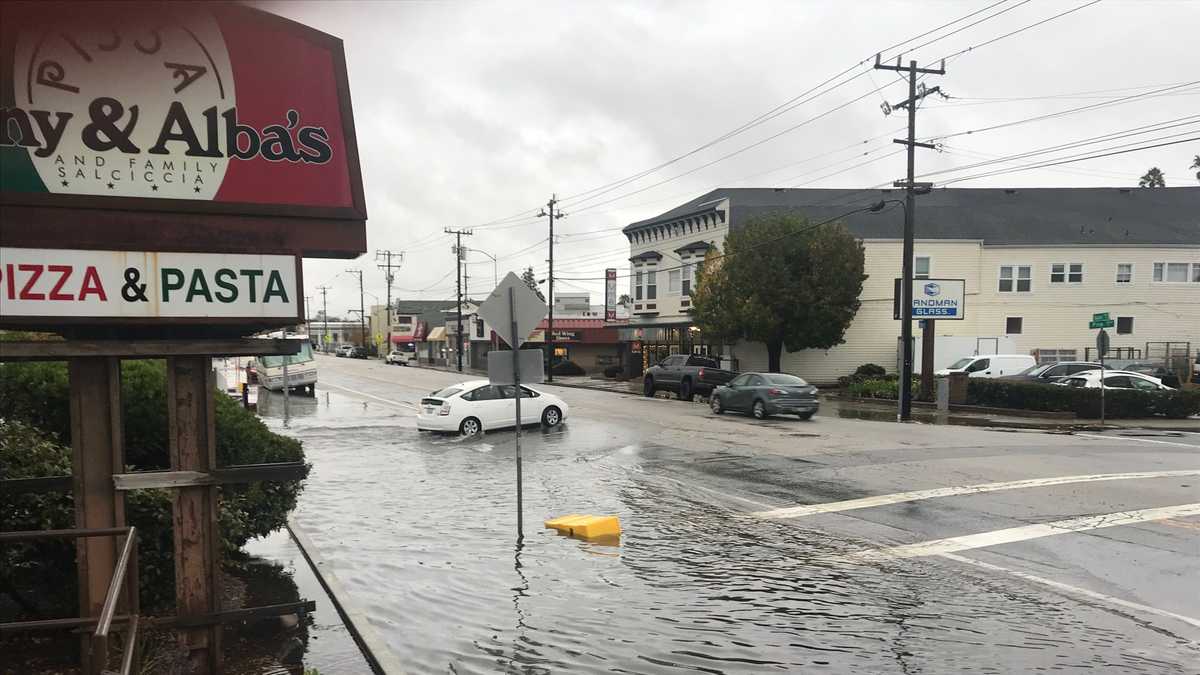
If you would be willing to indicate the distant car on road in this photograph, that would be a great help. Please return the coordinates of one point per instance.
(476, 406)
(766, 394)
(1156, 370)
(358, 353)
(399, 358)
(343, 350)
(990, 365)
(686, 375)
(1115, 379)
(1048, 373)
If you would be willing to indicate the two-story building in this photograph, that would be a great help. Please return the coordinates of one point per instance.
(1037, 262)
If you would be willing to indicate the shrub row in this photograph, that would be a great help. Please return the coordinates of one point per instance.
(37, 395)
(1085, 403)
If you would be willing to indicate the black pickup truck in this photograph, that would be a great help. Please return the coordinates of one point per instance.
(686, 375)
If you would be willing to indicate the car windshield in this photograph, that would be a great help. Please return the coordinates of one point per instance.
(780, 378)
(446, 393)
(961, 363)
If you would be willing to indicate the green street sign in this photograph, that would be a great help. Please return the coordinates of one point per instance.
(1101, 316)
(1105, 323)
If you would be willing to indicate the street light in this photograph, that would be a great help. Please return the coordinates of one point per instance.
(495, 274)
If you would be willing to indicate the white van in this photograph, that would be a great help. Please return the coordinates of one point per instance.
(990, 365)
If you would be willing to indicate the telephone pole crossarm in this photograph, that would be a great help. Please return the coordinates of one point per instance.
(551, 211)
(459, 256)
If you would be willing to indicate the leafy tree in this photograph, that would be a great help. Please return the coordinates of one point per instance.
(531, 281)
(1196, 165)
(1154, 178)
(782, 283)
(624, 299)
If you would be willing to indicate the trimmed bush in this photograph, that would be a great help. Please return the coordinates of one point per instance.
(1083, 402)
(37, 393)
(568, 368)
(887, 387)
(867, 370)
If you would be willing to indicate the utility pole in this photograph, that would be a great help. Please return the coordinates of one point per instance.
(387, 267)
(362, 328)
(325, 315)
(459, 255)
(552, 213)
(910, 190)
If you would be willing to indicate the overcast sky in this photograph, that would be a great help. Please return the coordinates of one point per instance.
(472, 112)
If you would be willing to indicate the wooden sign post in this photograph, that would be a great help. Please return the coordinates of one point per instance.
(163, 212)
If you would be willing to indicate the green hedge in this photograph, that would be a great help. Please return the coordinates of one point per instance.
(36, 393)
(1083, 402)
(886, 387)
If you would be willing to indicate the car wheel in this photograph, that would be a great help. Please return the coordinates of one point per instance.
(805, 416)
(551, 416)
(470, 427)
(685, 391)
(759, 411)
(648, 387)
(715, 404)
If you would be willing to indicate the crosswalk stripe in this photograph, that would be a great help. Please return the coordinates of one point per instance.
(953, 491)
(1024, 533)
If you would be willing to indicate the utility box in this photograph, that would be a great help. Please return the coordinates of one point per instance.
(957, 387)
(943, 393)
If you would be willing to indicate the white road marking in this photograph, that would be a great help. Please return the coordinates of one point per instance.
(952, 491)
(1075, 590)
(1024, 533)
(400, 404)
(1140, 440)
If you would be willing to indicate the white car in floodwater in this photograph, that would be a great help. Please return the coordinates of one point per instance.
(473, 407)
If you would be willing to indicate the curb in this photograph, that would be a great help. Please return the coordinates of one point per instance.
(381, 661)
(986, 410)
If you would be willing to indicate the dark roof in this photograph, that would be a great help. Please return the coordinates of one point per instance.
(647, 255)
(1034, 216)
(694, 246)
(429, 311)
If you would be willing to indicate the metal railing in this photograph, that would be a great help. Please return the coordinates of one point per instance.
(124, 576)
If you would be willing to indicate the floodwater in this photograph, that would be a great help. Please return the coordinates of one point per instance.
(421, 531)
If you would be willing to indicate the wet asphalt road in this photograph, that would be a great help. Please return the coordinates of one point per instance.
(1090, 563)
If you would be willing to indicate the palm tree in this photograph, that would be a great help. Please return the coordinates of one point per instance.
(1196, 165)
(1153, 178)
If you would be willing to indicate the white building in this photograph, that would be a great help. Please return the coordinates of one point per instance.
(1038, 263)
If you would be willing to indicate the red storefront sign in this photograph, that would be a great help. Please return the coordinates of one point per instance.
(148, 121)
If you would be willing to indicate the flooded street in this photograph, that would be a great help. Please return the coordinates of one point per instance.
(421, 531)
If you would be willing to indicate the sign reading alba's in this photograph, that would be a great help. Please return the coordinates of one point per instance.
(63, 283)
(209, 108)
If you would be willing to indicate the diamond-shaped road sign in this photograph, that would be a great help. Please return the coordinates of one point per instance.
(528, 309)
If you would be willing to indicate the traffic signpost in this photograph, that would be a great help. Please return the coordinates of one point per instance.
(514, 310)
(1101, 321)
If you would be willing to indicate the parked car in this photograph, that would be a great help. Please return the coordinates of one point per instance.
(1196, 371)
(476, 406)
(990, 365)
(1048, 373)
(358, 353)
(686, 375)
(343, 350)
(1151, 368)
(1115, 379)
(766, 394)
(399, 358)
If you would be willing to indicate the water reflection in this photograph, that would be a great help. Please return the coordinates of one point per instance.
(421, 529)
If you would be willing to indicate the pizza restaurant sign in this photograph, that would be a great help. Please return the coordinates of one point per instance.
(209, 103)
(131, 285)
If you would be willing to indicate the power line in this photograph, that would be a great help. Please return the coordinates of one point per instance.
(1071, 160)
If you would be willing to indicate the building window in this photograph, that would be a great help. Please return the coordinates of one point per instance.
(479, 328)
(651, 285)
(1124, 325)
(637, 286)
(1176, 273)
(689, 274)
(1055, 355)
(673, 277)
(1012, 325)
(1124, 273)
(921, 267)
(1066, 273)
(1016, 278)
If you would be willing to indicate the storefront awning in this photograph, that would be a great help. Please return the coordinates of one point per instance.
(403, 339)
(438, 334)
